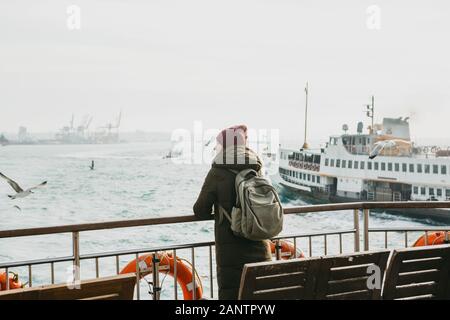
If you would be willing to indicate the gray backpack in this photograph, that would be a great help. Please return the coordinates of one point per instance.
(258, 214)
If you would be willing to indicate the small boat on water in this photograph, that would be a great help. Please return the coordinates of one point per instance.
(382, 164)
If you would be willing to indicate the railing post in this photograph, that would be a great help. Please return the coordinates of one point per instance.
(138, 277)
(7, 279)
(211, 280)
(156, 287)
(357, 230)
(76, 256)
(366, 229)
(277, 250)
(194, 274)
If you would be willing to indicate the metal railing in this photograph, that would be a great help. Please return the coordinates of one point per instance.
(360, 235)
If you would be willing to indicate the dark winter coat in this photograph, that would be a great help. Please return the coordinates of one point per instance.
(231, 252)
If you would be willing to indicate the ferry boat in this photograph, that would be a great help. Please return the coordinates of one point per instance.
(382, 164)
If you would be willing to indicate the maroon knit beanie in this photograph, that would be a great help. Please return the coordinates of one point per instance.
(233, 136)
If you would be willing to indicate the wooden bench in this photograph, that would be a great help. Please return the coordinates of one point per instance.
(289, 280)
(345, 277)
(119, 287)
(412, 273)
(418, 273)
(336, 277)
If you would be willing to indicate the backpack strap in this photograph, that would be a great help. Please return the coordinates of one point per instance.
(222, 211)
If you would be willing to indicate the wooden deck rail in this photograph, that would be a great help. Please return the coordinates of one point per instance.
(191, 218)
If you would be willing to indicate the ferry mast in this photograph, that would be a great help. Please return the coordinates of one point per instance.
(371, 113)
(305, 144)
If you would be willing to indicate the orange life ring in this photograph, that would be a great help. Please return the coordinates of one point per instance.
(288, 250)
(167, 265)
(433, 238)
(14, 282)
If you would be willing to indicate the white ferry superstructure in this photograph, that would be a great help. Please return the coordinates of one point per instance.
(348, 168)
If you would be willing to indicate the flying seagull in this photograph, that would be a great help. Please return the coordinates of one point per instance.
(92, 165)
(386, 144)
(18, 208)
(20, 193)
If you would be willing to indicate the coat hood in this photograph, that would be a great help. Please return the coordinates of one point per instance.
(237, 158)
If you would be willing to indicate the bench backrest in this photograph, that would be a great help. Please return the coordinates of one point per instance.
(119, 287)
(351, 277)
(418, 273)
(335, 277)
(289, 280)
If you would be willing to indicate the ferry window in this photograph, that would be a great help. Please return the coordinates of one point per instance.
(427, 168)
(377, 166)
(332, 162)
(383, 166)
(439, 192)
(416, 190)
(350, 164)
(344, 164)
(338, 163)
(435, 169)
(431, 191)
(314, 179)
(318, 179)
(443, 169)
(356, 164)
(327, 162)
(363, 164)
(397, 167)
(369, 165)
(423, 191)
(389, 166)
(447, 193)
(404, 167)
(309, 177)
(317, 159)
(419, 168)
(411, 168)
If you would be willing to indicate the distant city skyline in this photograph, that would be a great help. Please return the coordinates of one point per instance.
(168, 64)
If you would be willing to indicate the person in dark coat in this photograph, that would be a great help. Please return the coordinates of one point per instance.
(232, 252)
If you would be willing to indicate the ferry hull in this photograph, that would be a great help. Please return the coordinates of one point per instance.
(435, 215)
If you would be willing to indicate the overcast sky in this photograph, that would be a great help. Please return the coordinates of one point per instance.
(167, 63)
